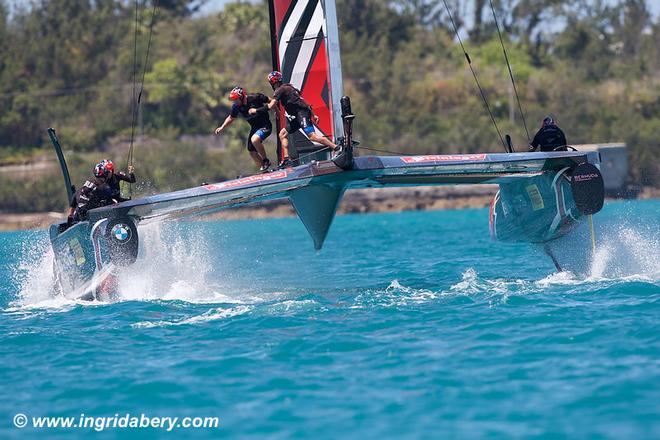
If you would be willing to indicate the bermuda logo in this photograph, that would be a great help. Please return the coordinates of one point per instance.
(585, 177)
(121, 232)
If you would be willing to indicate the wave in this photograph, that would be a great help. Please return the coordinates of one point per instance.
(178, 263)
(493, 290)
(627, 252)
(208, 316)
(33, 274)
(623, 249)
(275, 308)
(175, 264)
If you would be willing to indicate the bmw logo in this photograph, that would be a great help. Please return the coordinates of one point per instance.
(121, 232)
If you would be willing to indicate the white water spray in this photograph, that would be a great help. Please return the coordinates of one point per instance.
(175, 263)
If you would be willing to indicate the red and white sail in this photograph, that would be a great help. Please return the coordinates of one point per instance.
(305, 48)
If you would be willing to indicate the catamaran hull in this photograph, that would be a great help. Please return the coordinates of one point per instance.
(534, 210)
(542, 196)
(89, 255)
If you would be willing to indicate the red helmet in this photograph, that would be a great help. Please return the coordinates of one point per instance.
(237, 93)
(274, 77)
(100, 170)
(108, 165)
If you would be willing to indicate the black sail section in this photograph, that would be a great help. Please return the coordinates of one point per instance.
(296, 41)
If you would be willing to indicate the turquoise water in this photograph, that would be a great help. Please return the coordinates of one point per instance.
(411, 325)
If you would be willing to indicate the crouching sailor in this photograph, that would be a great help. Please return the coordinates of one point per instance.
(254, 109)
(301, 113)
(113, 179)
(93, 194)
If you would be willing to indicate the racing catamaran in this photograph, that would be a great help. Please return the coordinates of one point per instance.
(541, 197)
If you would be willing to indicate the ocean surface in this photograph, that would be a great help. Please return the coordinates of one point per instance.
(406, 325)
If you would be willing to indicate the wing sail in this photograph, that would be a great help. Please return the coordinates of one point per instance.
(305, 48)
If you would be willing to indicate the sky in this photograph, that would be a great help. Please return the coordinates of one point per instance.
(213, 6)
(217, 5)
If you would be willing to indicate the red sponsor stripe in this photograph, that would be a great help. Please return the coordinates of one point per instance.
(313, 90)
(257, 178)
(281, 6)
(442, 158)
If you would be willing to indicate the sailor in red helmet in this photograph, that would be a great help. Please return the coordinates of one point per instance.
(549, 137)
(93, 194)
(114, 178)
(303, 117)
(253, 107)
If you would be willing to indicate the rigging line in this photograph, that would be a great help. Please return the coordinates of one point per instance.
(508, 65)
(398, 153)
(301, 157)
(146, 59)
(295, 40)
(144, 71)
(133, 107)
(474, 74)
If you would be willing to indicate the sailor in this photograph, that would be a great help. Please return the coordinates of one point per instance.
(93, 194)
(301, 113)
(254, 109)
(549, 137)
(113, 178)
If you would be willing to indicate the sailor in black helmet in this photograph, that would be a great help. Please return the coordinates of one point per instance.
(301, 112)
(254, 109)
(549, 137)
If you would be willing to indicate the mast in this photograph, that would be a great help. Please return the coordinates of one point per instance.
(334, 60)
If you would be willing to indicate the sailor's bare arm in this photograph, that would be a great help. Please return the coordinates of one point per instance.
(227, 123)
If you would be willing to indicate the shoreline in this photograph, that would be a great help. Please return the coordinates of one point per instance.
(355, 201)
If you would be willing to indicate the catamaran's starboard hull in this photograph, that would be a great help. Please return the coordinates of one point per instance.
(534, 210)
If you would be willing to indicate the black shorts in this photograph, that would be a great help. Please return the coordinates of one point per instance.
(262, 132)
(303, 119)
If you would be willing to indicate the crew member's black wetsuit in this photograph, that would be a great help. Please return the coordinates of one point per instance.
(549, 138)
(113, 183)
(259, 122)
(93, 194)
(296, 107)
